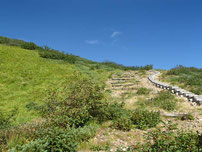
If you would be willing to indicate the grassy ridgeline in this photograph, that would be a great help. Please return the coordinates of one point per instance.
(25, 76)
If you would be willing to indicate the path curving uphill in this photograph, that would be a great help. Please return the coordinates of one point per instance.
(174, 89)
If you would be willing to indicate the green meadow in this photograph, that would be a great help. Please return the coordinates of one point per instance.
(25, 77)
(54, 101)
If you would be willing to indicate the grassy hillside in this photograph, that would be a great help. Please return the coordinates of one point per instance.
(47, 52)
(25, 76)
(189, 78)
(52, 101)
(28, 70)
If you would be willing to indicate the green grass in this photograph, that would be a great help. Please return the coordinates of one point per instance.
(187, 78)
(143, 91)
(25, 76)
(163, 100)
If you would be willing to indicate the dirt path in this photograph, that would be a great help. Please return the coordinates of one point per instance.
(123, 87)
(184, 106)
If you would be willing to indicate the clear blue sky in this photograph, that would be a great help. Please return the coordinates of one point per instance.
(164, 33)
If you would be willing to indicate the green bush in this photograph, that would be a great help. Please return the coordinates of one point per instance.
(54, 140)
(144, 119)
(52, 54)
(122, 67)
(170, 141)
(46, 52)
(71, 59)
(76, 104)
(164, 100)
(167, 139)
(79, 102)
(95, 67)
(10, 42)
(96, 148)
(106, 147)
(58, 139)
(121, 118)
(143, 91)
(115, 110)
(29, 46)
(182, 70)
(123, 123)
(110, 111)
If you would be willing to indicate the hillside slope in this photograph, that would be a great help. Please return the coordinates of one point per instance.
(189, 78)
(25, 77)
(87, 106)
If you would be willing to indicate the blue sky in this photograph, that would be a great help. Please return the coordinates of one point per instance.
(164, 33)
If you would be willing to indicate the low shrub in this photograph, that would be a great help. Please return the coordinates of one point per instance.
(123, 123)
(116, 110)
(46, 52)
(71, 59)
(144, 119)
(29, 46)
(167, 139)
(54, 140)
(76, 104)
(182, 70)
(106, 147)
(10, 42)
(122, 67)
(96, 148)
(52, 54)
(164, 100)
(58, 139)
(95, 67)
(112, 111)
(143, 91)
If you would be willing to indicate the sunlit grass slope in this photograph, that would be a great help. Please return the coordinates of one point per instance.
(24, 78)
(188, 78)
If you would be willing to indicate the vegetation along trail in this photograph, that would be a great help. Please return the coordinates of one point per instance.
(51, 101)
